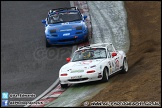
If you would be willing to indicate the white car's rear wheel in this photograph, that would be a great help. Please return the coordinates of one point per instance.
(125, 66)
(105, 77)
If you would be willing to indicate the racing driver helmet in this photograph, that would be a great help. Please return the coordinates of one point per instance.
(87, 54)
(56, 16)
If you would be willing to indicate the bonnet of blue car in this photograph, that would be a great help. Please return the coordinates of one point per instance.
(65, 25)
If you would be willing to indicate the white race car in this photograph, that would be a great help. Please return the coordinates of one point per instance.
(91, 63)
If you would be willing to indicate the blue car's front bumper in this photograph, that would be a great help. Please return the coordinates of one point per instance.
(66, 40)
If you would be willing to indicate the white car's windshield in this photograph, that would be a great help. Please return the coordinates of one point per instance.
(87, 54)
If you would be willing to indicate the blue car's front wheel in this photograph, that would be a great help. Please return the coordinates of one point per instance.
(47, 44)
(87, 39)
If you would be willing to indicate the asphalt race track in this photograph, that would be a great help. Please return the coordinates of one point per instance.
(27, 66)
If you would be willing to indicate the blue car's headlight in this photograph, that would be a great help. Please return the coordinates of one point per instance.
(53, 31)
(79, 28)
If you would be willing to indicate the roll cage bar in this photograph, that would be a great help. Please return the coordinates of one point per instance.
(61, 9)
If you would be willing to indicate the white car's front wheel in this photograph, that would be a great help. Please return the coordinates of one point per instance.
(105, 75)
(125, 66)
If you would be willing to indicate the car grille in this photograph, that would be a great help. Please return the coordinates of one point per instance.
(54, 35)
(65, 40)
(78, 33)
(80, 79)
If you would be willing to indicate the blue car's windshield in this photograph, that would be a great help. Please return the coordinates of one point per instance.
(64, 17)
(86, 54)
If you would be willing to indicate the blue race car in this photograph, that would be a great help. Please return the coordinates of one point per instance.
(65, 26)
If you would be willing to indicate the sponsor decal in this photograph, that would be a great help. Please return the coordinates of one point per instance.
(73, 71)
(66, 34)
(117, 63)
(110, 69)
(65, 23)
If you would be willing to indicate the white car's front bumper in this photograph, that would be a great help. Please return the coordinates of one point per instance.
(80, 78)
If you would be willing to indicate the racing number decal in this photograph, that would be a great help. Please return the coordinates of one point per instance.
(117, 63)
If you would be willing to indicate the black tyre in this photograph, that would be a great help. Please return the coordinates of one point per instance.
(105, 77)
(47, 44)
(87, 39)
(125, 66)
(64, 85)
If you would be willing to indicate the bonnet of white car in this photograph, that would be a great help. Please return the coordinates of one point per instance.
(81, 64)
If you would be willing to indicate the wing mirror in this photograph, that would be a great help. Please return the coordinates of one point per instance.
(44, 21)
(68, 59)
(85, 16)
(114, 54)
